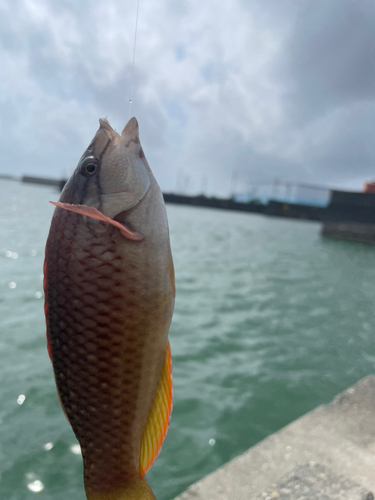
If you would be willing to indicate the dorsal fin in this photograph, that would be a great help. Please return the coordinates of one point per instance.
(158, 422)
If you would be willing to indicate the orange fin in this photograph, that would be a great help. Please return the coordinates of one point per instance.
(95, 214)
(45, 304)
(158, 422)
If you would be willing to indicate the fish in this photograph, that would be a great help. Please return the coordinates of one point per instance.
(109, 297)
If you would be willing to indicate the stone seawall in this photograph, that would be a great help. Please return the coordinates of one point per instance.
(352, 231)
(329, 453)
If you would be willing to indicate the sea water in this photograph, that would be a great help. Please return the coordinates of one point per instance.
(271, 320)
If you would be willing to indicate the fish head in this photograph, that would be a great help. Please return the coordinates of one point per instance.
(112, 174)
(111, 178)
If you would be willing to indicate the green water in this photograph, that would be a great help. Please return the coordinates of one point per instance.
(271, 320)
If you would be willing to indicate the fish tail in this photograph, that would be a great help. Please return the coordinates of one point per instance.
(139, 490)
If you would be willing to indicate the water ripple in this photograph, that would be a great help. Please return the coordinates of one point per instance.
(270, 321)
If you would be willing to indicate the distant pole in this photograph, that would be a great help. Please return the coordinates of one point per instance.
(204, 184)
(287, 191)
(179, 180)
(275, 188)
(249, 189)
(233, 182)
(186, 183)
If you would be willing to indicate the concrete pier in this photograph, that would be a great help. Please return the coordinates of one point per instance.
(327, 454)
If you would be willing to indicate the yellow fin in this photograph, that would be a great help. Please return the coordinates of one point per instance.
(158, 422)
(133, 491)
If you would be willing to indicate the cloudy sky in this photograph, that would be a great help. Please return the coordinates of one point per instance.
(244, 90)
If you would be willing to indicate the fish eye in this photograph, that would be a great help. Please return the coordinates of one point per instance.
(89, 166)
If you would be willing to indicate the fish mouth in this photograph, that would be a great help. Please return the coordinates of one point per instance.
(111, 133)
(130, 132)
(96, 214)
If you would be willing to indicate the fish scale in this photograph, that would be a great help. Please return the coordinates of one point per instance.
(125, 385)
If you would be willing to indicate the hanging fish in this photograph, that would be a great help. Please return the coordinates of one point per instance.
(109, 288)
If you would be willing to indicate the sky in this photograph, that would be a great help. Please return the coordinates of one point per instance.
(228, 95)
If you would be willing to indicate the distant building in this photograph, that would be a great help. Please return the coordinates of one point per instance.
(302, 194)
(369, 187)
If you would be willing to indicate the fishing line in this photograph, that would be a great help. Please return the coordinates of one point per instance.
(132, 72)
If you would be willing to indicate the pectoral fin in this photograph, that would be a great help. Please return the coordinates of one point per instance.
(158, 422)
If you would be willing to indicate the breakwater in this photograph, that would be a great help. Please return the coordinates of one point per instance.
(328, 453)
(213, 202)
(348, 215)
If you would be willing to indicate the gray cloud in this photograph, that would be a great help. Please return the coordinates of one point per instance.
(263, 88)
(330, 57)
